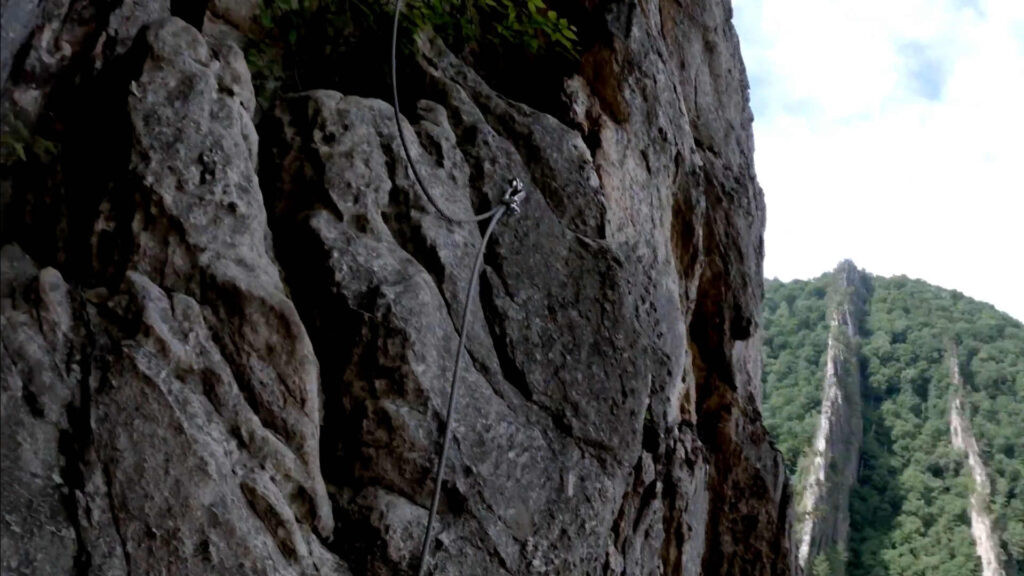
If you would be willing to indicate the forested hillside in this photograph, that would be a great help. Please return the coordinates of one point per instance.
(909, 506)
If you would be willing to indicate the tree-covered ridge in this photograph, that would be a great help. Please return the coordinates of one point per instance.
(992, 366)
(795, 340)
(909, 507)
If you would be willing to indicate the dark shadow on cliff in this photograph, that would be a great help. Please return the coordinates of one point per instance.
(80, 153)
(346, 46)
(876, 496)
(722, 420)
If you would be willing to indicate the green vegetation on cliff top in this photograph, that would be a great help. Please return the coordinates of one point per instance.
(345, 44)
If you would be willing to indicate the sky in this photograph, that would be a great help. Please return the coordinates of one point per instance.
(891, 132)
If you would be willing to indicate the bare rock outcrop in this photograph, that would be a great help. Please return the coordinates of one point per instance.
(614, 311)
(823, 521)
(986, 538)
(210, 372)
(183, 433)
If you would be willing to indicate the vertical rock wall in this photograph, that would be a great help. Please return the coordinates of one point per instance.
(823, 523)
(188, 420)
(209, 370)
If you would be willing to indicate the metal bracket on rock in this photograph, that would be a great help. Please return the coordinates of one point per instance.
(514, 196)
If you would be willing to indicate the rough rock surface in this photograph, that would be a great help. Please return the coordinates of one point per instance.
(212, 372)
(823, 523)
(183, 432)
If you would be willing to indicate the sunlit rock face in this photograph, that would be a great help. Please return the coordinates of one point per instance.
(986, 539)
(823, 513)
(227, 351)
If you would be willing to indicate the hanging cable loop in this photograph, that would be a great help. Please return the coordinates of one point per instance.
(405, 144)
(510, 203)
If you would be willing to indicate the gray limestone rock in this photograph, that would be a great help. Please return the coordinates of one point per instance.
(196, 391)
(250, 374)
(39, 386)
(822, 522)
(609, 421)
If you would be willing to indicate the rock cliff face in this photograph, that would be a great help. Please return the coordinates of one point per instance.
(227, 352)
(824, 508)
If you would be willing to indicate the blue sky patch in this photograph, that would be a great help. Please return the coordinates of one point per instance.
(926, 72)
(973, 5)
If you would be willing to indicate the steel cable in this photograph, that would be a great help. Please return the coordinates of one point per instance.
(449, 418)
(405, 145)
(509, 203)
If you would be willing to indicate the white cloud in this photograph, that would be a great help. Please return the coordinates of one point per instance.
(892, 133)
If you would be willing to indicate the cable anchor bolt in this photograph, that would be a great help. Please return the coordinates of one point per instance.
(514, 195)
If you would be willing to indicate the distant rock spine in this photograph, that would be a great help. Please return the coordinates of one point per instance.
(986, 540)
(823, 513)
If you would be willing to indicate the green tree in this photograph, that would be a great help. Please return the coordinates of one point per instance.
(820, 566)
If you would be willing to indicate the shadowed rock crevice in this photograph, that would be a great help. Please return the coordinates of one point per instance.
(76, 441)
